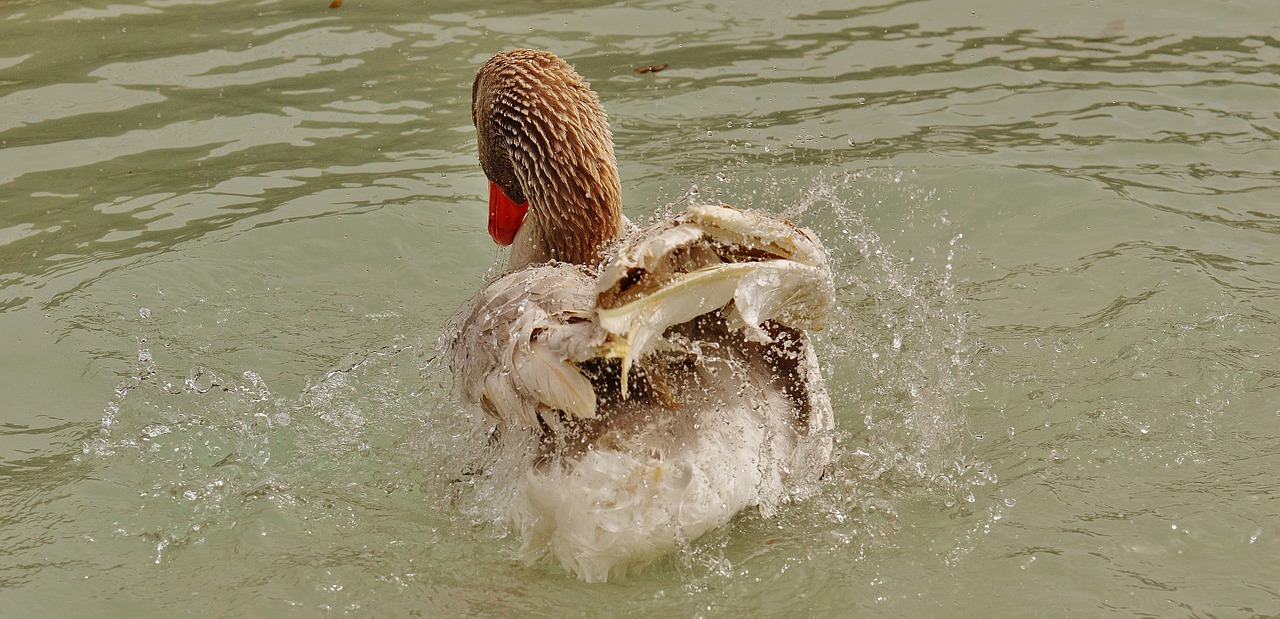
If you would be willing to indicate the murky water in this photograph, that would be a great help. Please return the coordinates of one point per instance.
(230, 234)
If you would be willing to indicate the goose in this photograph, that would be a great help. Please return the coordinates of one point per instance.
(652, 381)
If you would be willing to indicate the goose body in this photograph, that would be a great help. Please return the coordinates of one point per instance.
(654, 382)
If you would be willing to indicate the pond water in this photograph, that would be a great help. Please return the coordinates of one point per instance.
(231, 233)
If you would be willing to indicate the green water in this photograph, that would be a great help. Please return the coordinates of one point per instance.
(230, 234)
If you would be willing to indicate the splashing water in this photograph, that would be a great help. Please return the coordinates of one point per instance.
(378, 452)
(896, 356)
(218, 462)
(898, 346)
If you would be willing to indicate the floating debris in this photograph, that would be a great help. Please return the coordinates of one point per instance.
(652, 69)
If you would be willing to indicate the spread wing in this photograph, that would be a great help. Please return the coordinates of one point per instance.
(754, 267)
(518, 348)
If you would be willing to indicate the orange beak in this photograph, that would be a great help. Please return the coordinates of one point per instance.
(505, 216)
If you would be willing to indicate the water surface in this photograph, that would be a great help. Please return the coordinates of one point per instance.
(231, 233)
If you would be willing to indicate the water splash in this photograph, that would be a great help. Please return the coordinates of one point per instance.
(898, 351)
(214, 452)
(217, 454)
(897, 357)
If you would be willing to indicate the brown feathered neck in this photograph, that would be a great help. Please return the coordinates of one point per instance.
(544, 137)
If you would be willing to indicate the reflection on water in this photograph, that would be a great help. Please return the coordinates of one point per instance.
(240, 231)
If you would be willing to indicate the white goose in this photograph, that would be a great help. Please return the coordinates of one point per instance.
(661, 378)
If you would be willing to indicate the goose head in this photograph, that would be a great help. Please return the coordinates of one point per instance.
(545, 146)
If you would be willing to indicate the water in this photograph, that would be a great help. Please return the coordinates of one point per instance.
(231, 233)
